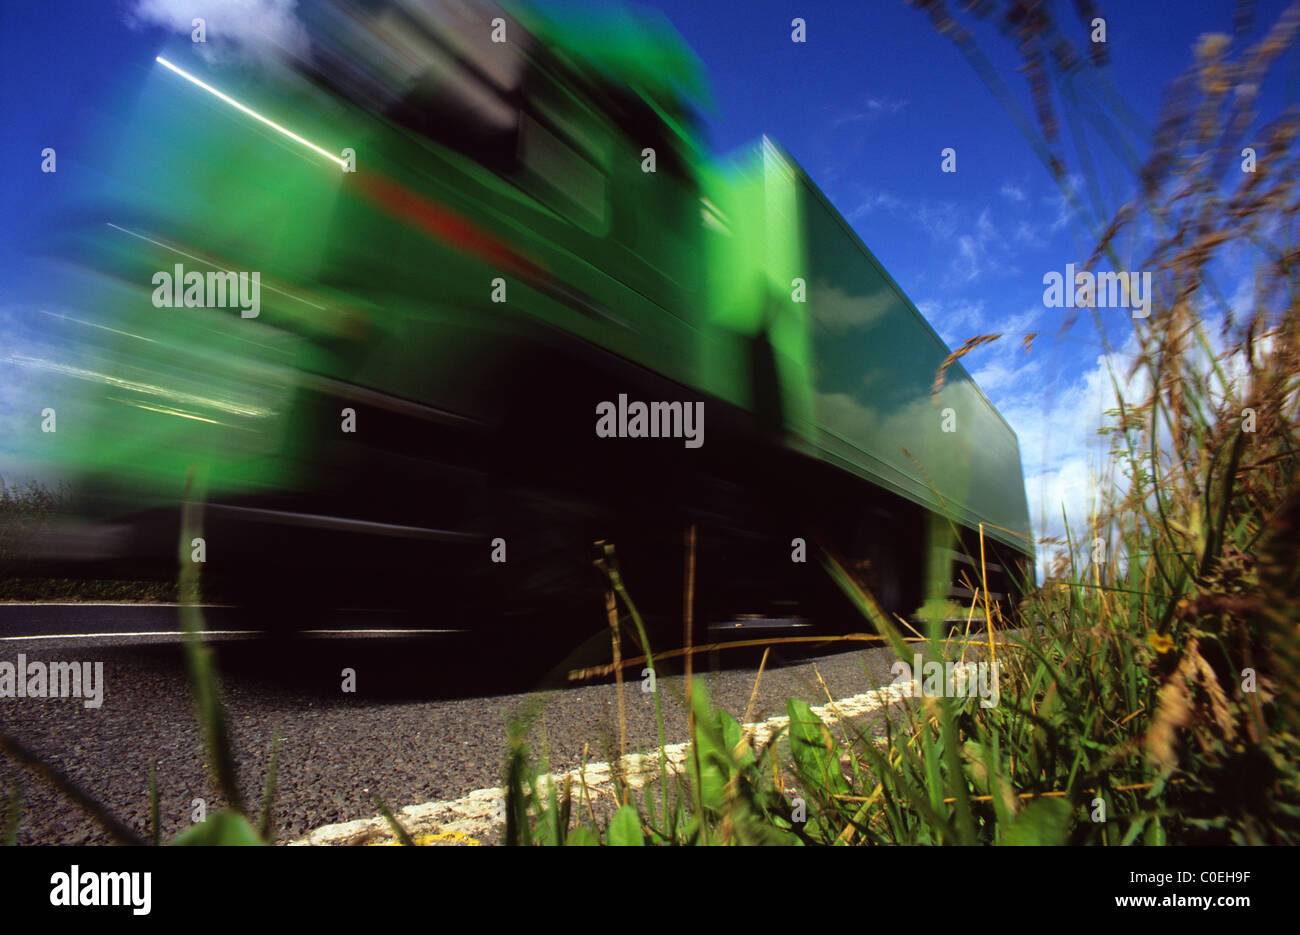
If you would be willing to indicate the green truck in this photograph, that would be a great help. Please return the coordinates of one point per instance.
(506, 305)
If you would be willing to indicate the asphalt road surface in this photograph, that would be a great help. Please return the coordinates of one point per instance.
(426, 723)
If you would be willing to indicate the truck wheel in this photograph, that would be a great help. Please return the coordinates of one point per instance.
(883, 560)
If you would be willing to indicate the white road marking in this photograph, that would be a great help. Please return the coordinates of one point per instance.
(135, 604)
(395, 631)
(344, 523)
(88, 636)
(475, 813)
(177, 634)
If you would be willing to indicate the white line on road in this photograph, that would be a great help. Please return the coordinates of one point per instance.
(476, 813)
(91, 636)
(176, 634)
(139, 605)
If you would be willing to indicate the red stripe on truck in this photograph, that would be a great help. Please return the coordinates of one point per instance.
(447, 226)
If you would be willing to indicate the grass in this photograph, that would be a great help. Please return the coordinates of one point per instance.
(1145, 700)
(1151, 694)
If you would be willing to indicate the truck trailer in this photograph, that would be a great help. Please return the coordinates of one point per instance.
(502, 287)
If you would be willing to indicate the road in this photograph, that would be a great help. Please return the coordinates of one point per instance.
(426, 722)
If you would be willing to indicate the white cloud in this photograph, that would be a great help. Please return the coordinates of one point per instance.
(872, 108)
(886, 104)
(976, 246)
(234, 28)
(999, 375)
(873, 200)
(1013, 193)
(1063, 457)
(955, 321)
(1019, 324)
(939, 219)
(1062, 205)
(1027, 235)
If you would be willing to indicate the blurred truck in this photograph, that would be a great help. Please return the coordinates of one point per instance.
(474, 231)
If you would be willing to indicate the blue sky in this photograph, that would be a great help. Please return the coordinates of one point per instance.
(867, 104)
